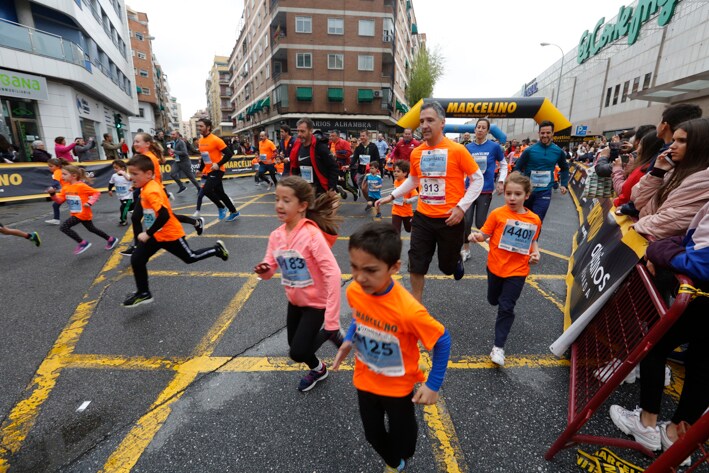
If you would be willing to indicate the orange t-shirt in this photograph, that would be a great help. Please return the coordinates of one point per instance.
(267, 151)
(515, 232)
(152, 199)
(76, 195)
(156, 164)
(442, 170)
(280, 166)
(398, 206)
(389, 327)
(210, 149)
(57, 176)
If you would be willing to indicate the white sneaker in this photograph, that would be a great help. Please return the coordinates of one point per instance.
(465, 255)
(197, 214)
(171, 196)
(53, 221)
(497, 355)
(629, 422)
(604, 373)
(668, 376)
(667, 443)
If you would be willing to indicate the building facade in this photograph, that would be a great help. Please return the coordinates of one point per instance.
(141, 45)
(219, 106)
(65, 70)
(626, 70)
(344, 64)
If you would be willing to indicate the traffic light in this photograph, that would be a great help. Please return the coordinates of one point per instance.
(118, 122)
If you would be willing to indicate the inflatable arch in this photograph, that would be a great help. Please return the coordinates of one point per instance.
(538, 108)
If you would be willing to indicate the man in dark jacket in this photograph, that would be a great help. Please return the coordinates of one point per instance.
(83, 148)
(310, 158)
(182, 164)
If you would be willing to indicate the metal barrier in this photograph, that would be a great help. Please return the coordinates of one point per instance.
(693, 439)
(614, 342)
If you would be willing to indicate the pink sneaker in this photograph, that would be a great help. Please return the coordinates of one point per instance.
(81, 247)
(111, 243)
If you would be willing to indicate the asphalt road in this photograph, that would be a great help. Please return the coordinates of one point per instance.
(201, 380)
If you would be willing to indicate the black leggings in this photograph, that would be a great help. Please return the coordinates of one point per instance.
(303, 325)
(88, 224)
(399, 443)
(180, 248)
(270, 169)
(478, 209)
(397, 221)
(214, 190)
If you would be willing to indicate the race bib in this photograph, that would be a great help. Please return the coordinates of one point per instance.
(294, 269)
(306, 172)
(540, 178)
(380, 351)
(121, 189)
(262, 157)
(481, 162)
(433, 191)
(517, 236)
(205, 157)
(398, 201)
(434, 162)
(364, 159)
(148, 218)
(74, 203)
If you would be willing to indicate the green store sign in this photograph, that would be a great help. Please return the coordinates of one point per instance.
(629, 22)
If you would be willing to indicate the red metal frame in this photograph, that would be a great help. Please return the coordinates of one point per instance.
(692, 440)
(620, 335)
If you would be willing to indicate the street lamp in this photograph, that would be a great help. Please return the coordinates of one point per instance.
(561, 70)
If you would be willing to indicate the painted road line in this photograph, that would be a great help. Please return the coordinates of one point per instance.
(555, 255)
(511, 361)
(192, 206)
(124, 458)
(546, 295)
(113, 362)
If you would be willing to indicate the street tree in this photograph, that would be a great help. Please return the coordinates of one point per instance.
(426, 69)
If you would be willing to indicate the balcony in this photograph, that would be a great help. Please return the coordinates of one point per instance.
(23, 38)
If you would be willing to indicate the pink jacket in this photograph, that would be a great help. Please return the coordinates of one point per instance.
(62, 151)
(677, 211)
(324, 292)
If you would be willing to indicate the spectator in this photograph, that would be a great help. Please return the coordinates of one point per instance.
(82, 150)
(403, 149)
(672, 116)
(670, 195)
(637, 166)
(61, 150)
(110, 148)
(39, 152)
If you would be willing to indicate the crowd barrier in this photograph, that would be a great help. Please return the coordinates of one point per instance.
(24, 181)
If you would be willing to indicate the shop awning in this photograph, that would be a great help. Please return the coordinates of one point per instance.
(304, 94)
(240, 117)
(414, 29)
(401, 107)
(681, 90)
(266, 102)
(365, 95)
(336, 94)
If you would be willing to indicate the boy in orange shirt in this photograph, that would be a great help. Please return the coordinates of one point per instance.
(401, 209)
(513, 231)
(386, 327)
(162, 230)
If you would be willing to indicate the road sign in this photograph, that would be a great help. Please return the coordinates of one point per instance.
(580, 130)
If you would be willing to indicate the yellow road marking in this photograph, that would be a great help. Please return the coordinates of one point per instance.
(265, 237)
(551, 253)
(446, 446)
(546, 295)
(124, 458)
(113, 362)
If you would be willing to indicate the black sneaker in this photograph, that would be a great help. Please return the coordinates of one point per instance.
(222, 252)
(138, 299)
(312, 378)
(199, 225)
(128, 251)
(182, 189)
(459, 270)
(34, 238)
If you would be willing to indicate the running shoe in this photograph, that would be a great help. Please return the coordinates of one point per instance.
(81, 247)
(312, 378)
(222, 252)
(199, 225)
(122, 223)
(459, 270)
(497, 355)
(465, 255)
(182, 189)
(398, 469)
(233, 216)
(629, 422)
(111, 243)
(355, 196)
(270, 186)
(667, 443)
(138, 299)
(128, 251)
(171, 196)
(53, 221)
(379, 215)
(222, 213)
(196, 214)
(34, 238)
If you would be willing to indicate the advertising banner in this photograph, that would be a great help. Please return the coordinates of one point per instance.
(30, 180)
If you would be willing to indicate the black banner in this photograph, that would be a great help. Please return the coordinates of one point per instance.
(30, 180)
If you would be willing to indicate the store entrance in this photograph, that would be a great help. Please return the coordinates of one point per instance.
(20, 125)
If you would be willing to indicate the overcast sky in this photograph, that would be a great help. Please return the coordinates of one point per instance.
(491, 47)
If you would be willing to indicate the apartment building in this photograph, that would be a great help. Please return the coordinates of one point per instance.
(344, 64)
(65, 70)
(219, 105)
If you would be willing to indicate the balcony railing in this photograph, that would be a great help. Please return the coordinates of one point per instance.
(16, 36)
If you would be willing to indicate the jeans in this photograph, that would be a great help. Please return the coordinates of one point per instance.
(504, 292)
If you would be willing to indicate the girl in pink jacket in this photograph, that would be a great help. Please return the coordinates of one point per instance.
(309, 271)
(61, 150)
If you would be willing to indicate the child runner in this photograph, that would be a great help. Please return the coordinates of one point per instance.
(162, 230)
(80, 197)
(309, 271)
(374, 187)
(401, 210)
(121, 181)
(55, 167)
(389, 167)
(513, 231)
(387, 325)
(33, 237)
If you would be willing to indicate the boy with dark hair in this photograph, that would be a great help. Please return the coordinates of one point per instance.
(386, 327)
(374, 187)
(162, 230)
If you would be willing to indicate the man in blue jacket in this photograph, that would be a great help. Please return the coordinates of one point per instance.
(538, 163)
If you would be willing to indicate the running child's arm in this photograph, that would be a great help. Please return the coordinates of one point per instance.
(161, 218)
(93, 198)
(534, 253)
(58, 198)
(346, 347)
(478, 237)
(407, 186)
(332, 276)
(428, 393)
(412, 199)
(267, 268)
(111, 185)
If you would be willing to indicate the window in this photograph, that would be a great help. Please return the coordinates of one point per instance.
(303, 24)
(609, 92)
(335, 61)
(268, 71)
(388, 30)
(615, 94)
(145, 91)
(141, 112)
(646, 82)
(304, 61)
(139, 36)
(365, 63)
(626, 86)
(366, 27)
(143, 73)
(636, 84)
(142, 55)
(335, 26)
